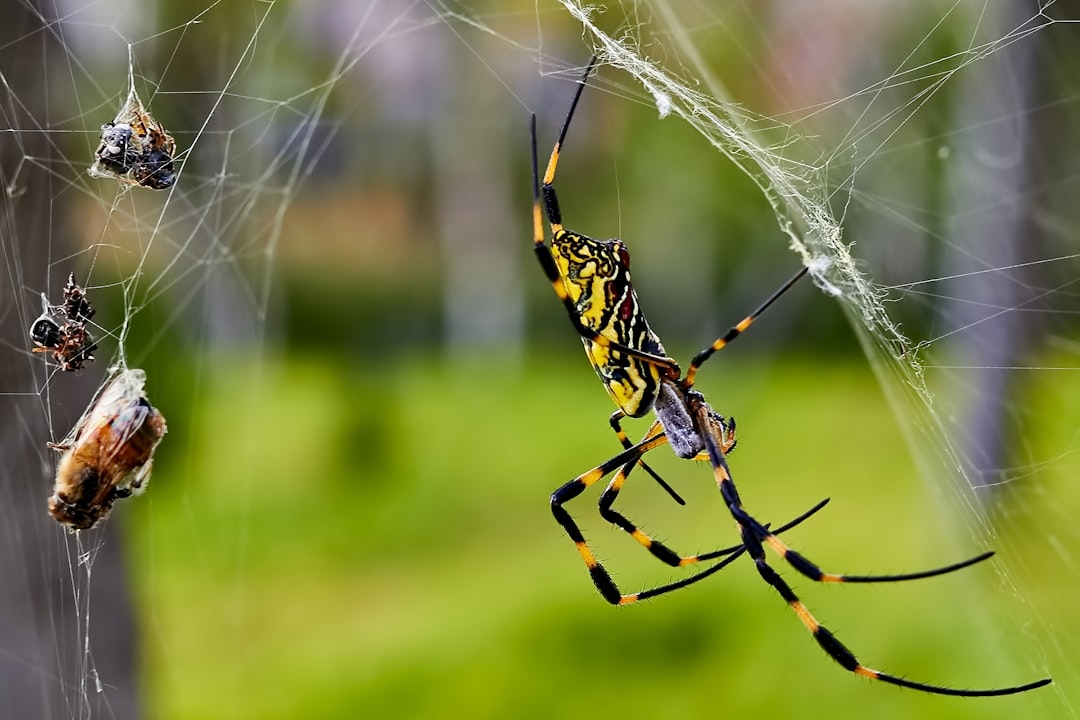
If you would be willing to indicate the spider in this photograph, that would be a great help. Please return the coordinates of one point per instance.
(592, 279)
(62, 331)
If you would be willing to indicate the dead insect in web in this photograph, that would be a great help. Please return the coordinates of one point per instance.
(117, 153)
(109, 454)
(75, 349)
(135, 149)
(155, 169)
(46, 332)
(76, 307)
(61, 329)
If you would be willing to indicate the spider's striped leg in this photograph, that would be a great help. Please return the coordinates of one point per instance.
(754, 535)
(551, 201)
(731, 553)
(715, 449)
(600, 576)
(607, 499)
(737, 330)
(840, 653)
(625, 440)
(660, 551)
(547, 262)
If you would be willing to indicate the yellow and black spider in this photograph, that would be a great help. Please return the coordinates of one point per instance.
(592, 279)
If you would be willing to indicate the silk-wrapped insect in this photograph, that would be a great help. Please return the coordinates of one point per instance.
(61, 329)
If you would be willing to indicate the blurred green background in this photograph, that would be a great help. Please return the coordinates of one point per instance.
(378, 545)
(371, 390)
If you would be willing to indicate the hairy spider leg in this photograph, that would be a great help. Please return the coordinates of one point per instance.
(600, 576)
(755, 535)
(658, 549)
(627, 444)
(730, 554)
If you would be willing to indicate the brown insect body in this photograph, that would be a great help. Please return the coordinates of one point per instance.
(109, 454)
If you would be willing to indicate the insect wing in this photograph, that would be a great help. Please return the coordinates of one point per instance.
(120, 383)
(113, 434)
(123, 427)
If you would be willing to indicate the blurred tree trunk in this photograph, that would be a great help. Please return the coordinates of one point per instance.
(989, 232)
(483, 300)
(47, 667)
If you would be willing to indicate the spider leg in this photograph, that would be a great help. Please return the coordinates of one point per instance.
(660, 551)
(755, 535)
(737, 329)
(551, 201)
(731, 553)
(845, 657)
(625, 440)
(800, 562)
(600, 576)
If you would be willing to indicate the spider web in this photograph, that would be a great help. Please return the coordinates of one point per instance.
(189, 266)
(963, 307)
(927, 187)
(1002, 300)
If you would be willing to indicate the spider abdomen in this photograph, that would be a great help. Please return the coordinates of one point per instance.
(596, 275)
